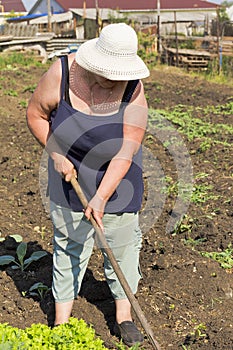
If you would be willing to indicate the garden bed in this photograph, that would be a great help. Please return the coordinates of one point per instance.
(186, 296)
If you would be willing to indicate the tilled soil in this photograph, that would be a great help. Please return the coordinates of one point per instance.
(186, 297)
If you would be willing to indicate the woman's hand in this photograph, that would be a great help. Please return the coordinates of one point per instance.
(96, 208)
(63, 166)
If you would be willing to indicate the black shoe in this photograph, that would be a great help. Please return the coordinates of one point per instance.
(128, 332)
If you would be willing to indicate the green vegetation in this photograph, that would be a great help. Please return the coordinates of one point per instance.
(202, 193)
(21, 253)
(15, 60)
(37, 289)
(30, 88)
(17, 238)
(74, 335)
(70, 336)
(23, 104)
(11, 92)
(198, 333)
(192, 127)
(148, 55)
(184, 225)
(225, 75)
(224, 258)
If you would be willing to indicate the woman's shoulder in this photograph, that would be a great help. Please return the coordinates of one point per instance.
(138, 96)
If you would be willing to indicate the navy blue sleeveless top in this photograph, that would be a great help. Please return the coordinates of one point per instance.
(90, 142)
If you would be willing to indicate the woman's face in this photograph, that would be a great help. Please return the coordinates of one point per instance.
(104, 82)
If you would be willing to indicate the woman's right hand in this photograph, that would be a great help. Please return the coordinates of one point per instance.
(63, 166)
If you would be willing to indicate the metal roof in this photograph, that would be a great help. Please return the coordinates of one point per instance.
(55, 18)
(166, 17)
(90, 13)
(13, 5)
(135, 4)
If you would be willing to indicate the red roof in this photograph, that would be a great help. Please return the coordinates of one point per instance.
(138, 4)
(13, 5)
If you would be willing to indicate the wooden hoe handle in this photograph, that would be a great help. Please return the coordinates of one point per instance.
(101, 239)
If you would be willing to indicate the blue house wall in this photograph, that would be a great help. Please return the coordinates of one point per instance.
(41, 7)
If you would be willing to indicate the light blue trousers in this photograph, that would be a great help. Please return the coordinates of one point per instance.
(73, 245)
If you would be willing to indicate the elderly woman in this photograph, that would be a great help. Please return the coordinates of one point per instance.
(89, 112)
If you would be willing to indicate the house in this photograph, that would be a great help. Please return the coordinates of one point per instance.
(16, 6)
(191, 15)
(122, 5)
(8, 7)
(75, 23)
(28, 4)
(62, 24)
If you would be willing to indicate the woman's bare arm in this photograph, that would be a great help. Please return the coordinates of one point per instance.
(43, 101)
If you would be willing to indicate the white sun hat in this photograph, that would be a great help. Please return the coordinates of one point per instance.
(114, 54)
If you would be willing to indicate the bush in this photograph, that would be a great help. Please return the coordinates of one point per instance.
(69, 336)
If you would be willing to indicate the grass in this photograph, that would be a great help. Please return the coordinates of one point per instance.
(15, 60)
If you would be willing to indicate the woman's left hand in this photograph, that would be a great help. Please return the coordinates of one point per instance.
(96, 208)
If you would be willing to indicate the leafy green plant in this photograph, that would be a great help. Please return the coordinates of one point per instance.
(224, 258)
(74, 335)
(193, 242)
(17, 238)
(202, 193)
(11, 92)
(23, 103)
(37, 289)
(30, 88)
(184, 225)
(21, 262)
(157, 100)
(171, 186)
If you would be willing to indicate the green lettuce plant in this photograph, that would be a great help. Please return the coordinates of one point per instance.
(75, 334)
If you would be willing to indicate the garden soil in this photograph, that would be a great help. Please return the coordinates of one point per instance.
(187, 298)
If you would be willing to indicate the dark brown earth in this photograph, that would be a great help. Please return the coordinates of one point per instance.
(187, 298)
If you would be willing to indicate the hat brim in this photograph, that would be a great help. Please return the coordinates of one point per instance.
(109, 67)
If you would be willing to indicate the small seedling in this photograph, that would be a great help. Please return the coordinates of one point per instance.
(40, 230)
(194, 242)
(185, 347)
(23, 103)
(38, 289)
(30, 88)
(199, 331)
(11, 92)
(184, 225)
(20, 263)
